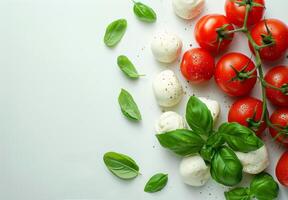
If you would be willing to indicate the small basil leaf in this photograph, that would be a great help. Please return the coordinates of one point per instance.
(182, 142)
(127, 67)
(213, 142)
(226, 167)
(207, 153)
(264, 187)
(128, 106)
(198, 116)
(156, 183)
(240, 138)
(114, 32)
(144, 12)
(121, 165)
(238, 194)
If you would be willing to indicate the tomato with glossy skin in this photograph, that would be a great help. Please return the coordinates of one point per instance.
(231, 74)
(247, 109)
(277, 32)
(280, 119)
(197, 65)
(277, 77)
(210, 29)
(236, 13)
(282, 169)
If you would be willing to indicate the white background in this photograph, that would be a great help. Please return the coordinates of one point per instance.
(58, 106)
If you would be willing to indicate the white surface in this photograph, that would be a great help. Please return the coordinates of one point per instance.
(58, 107)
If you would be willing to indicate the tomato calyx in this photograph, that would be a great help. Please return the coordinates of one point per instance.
(253, 124)
(222, 34)
(248, 2)
(267, 39)
(242, 75)
(284, 89)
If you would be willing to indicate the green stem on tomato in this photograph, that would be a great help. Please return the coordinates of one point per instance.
(258, 62)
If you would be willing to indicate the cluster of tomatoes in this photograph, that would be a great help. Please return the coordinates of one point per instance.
(236, 74)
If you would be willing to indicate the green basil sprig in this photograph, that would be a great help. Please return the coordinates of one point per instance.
(198, 116)
(121, 165)
(226, 167)
(156, 183)
(127, 67)
(114, 32)
(262, 187)
(128, 106)
(144, 12)
(240, 138)
(182, 142)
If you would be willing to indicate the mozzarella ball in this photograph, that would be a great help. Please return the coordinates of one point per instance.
(166, 47)
(194, 171)
(254, 162)
(213, 106)
(188, 9)
(167, 89)
(169, 121)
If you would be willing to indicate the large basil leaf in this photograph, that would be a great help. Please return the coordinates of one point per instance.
(226, 167)
(144, 12)
(121, 165)
(128, 106)
(182, 142)
(264, 187)
(127, 67)
(240, 138)
(198, 116)
(238, 194)
(156, 183)
(114, 32)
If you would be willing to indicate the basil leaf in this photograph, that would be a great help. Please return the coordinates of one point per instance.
(238, 194)
(127, 67)
(226, 167)
(121, 165)
(213, 142)
(264, 187)
(156, 183)
(240, 138)
(198, 116)
(182, 142)
(114, 32)
(128, 106)
(207, 153)
(144, 12)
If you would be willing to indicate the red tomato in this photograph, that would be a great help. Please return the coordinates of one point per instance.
(247, 111)
(209, 32)
(277, 77)
(280, 118)
(282, 169)
(231, 74)
(197, 65)
(236, 13)
(275, 31)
